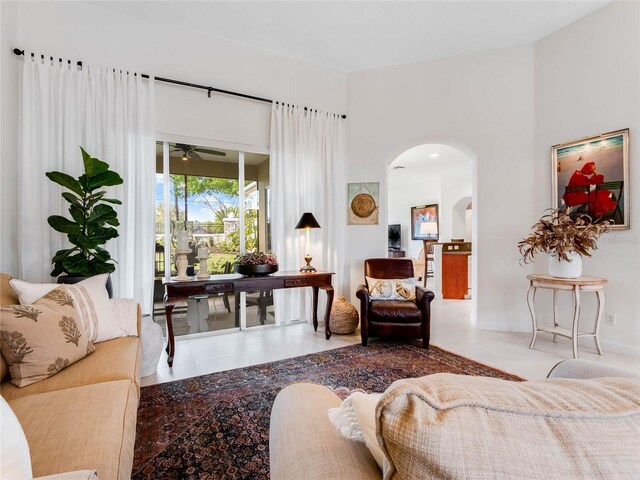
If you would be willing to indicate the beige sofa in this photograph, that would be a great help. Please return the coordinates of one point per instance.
(305, 445)
(84, 417)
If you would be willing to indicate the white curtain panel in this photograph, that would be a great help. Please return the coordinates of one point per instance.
(306, 175)
(110, 113)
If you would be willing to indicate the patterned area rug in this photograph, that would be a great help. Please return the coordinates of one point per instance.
(217, 426)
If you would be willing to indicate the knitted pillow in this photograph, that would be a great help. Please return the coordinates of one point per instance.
(457, 426)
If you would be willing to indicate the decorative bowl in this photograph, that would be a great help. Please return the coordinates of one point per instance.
(256, 270)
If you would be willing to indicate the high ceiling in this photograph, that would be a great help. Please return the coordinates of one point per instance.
(351, 36)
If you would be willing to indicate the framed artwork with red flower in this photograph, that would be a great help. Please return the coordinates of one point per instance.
(591, 175)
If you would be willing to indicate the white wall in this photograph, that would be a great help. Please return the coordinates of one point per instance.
(587, 81)
(456, 185)
(8, 139)
(481, 104)
(409, 189)
(100, 35)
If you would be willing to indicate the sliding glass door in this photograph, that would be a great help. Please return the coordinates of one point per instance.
(220, 196)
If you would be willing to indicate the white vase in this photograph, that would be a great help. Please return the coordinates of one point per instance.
(566, 269)
(152, 343)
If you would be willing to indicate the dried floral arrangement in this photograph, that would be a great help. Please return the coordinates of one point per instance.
(559, 233)
(257, 259)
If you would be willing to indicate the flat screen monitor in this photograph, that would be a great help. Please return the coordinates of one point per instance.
(394, 236)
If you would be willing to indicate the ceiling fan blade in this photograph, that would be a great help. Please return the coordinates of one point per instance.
(210, 152)
(194, 155)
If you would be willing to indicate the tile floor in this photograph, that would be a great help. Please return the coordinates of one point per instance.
(450, 330)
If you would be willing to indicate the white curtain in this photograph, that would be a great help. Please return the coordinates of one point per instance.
(306, 175)
(110, 113)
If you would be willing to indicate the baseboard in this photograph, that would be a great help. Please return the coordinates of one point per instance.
(620, 348)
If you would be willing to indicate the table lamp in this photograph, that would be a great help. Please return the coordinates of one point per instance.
(429, 229)
(307, 221)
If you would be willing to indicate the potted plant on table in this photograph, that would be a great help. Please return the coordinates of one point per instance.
(256, 264)
(91, 225)
(564, 239)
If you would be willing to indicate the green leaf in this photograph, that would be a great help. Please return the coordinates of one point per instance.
(72, 199)
(97, 267)
(63, 225)
(93, 166)
(62, 254)
(84, 181)
(104, 179)
(77, 213)
(67, 181)
(102, 214)
(115, 201)
(76, 265)
(102, 235)
(101, 254)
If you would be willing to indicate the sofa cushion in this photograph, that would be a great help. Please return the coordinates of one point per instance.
(117, 359)
(395, 311)
(41, 339)
(455, 426)
(303, 444)
(82, 428)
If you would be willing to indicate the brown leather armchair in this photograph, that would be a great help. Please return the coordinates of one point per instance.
(400, 318)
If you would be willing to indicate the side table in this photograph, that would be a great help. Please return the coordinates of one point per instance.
(577, 286)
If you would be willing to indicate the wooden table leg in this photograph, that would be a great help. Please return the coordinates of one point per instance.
(327, 315)
(315, 308)
(555, 314)
(576, 318)
(596, 330)
(531, 298)
(171, 347)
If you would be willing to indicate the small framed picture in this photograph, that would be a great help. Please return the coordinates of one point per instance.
(424, 222)
(362, 203)
(591, 176)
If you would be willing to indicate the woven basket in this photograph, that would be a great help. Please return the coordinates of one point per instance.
(344, 317)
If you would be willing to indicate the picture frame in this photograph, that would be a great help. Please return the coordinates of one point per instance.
(363, 200)
(591, 175)
(424, 214)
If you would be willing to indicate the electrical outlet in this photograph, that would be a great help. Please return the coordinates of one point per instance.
(611, 319)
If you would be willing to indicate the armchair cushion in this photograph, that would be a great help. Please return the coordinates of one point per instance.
(400, 311)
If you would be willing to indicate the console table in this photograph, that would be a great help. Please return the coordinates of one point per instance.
(180, 290)
(577, 286)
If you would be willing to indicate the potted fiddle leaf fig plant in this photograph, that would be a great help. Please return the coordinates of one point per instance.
(565, 238)
(92, 223)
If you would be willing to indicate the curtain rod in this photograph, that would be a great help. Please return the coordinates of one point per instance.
(209, 89)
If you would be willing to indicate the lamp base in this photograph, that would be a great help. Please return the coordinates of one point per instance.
(308, 268)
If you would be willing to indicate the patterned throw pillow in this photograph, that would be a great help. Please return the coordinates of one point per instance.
(41, 339)
(90, 299)
(392, 289)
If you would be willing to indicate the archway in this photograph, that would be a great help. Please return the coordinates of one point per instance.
(435, 170)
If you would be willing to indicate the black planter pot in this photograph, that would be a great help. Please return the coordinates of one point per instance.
(256, 270)
(71, 280)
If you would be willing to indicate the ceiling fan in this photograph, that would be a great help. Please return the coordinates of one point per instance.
(190, 151)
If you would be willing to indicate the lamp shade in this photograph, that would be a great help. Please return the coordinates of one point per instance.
(307, 221)
(429, 228)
